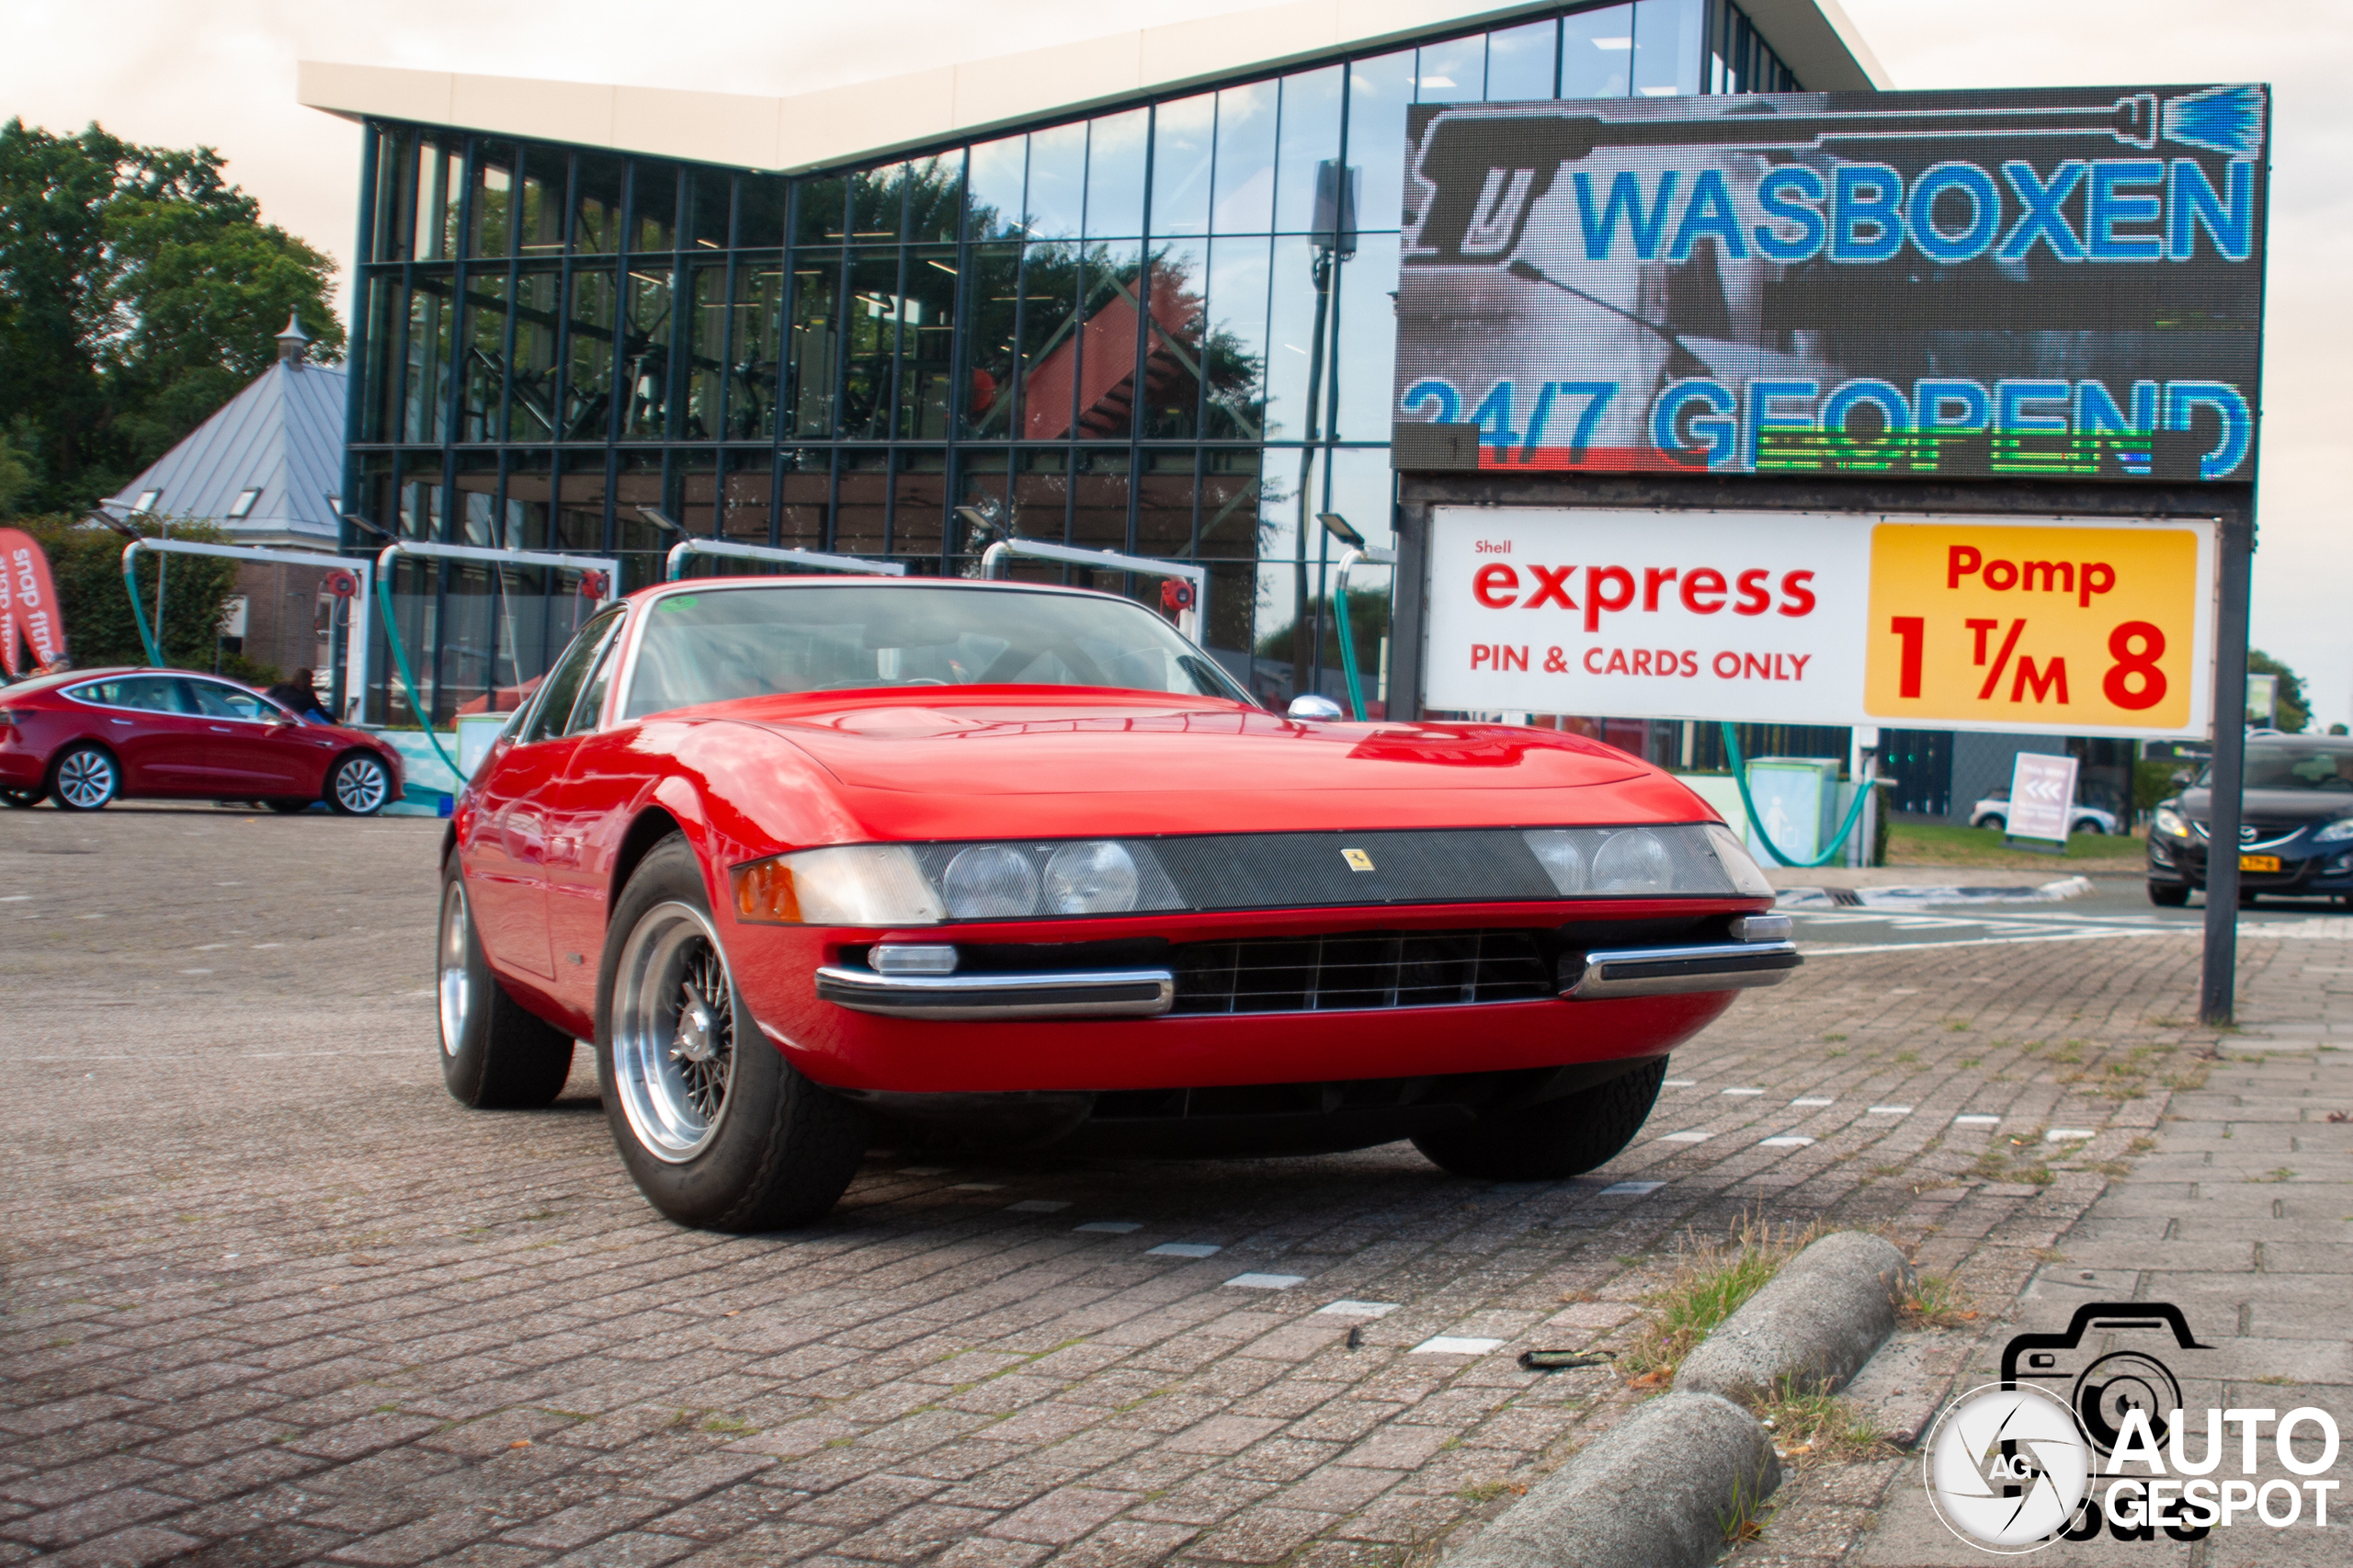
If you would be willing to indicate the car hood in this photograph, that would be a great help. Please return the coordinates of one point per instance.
(2279, 807)
(1039, 743)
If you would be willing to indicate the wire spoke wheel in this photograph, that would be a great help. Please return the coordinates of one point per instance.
(454, 983)
(672, 1032)
(360, 785)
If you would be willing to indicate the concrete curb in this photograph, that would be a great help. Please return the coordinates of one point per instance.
(1812, 1327)
(1655, 1490)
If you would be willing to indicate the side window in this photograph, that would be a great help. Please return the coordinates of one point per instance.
(592, 696)
(228, 702)
(560, 690)
(156, 694)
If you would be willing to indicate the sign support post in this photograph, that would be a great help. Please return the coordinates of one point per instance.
(2218, 973)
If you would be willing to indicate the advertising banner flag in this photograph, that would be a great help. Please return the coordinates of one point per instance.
(2058, 284)
(29, 612)
(1923, 621)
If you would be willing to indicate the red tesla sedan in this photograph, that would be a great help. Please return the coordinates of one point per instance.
(89, 736)
(811, 859)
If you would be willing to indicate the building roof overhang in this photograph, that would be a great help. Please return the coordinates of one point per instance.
(869, 120)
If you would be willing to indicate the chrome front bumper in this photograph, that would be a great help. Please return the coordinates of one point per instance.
(1075, 994)
(1664, 972)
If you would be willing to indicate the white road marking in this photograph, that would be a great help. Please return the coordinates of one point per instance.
(1183, 1249)
(1266, 1281)
(1787, 1141)
(1448, 1345)
(1108, 1227)
(1630, 1188)
(1355, 1310)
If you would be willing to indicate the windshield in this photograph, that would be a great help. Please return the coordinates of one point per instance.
(2305, 765)
(709, 647)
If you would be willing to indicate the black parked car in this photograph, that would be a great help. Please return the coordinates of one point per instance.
(2296, 832)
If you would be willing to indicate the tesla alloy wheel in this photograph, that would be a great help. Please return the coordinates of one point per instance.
(495, 1055)
(86, 778)
(359, 785)
(717, 1129)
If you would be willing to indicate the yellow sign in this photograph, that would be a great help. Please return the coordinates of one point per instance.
(2018, 625)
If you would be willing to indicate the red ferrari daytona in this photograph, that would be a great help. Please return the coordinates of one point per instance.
(813, 860)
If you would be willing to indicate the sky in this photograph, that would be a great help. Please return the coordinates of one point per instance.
(220, 73)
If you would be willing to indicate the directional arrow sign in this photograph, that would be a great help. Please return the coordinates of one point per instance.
(2042, 789)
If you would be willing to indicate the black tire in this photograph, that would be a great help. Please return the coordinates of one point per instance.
(22, 799)
(2166, 897)
(1558, 1137)
(734, 1139)
(358, 785)
(85, 778)
(2092, 828)
(496, 1055)
(1996, 824)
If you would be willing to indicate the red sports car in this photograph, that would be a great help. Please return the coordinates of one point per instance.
(813, 858)
(86, 737)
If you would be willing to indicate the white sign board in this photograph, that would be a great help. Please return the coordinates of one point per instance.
(1823, 618)
(2042, 796)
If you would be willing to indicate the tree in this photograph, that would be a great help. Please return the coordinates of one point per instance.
(86, 563)
(139, 289)
(2291, 710)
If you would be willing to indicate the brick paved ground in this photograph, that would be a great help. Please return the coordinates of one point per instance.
(269, 1296)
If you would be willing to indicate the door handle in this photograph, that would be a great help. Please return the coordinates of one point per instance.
(122, 721)
(222, 729)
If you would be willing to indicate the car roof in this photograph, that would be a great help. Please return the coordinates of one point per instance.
(848, 580)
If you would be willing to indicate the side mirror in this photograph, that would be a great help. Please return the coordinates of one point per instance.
(1315, 708)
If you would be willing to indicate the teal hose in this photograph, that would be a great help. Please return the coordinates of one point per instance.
(137, 611)
(1348, 650)
(408, 681)
(1748, 803)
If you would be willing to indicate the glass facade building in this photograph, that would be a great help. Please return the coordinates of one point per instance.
(1162, 328)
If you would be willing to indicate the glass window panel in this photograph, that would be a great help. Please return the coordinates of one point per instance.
(641, 546)
(478, 499)
(1379, 91)
(1360, 490)
(805, 499)
(813, 348)
(935, 198)
(429, 325)
(992, 306)
(1521, 61)
(877, 200)
(1164, 489)
(540, 224)
(1184, 135)
(760, 209)
(645, 353)
(580, 511)
(653, 206)
(1050, 283)
(1290, 340)
(530, 497)
(694, 482)
(1311, 133)
(1364, 341)
(1175, 341)
(817, 212)
(1453, 71)
(1107, 367)
(1041, 505)
(420, 496)
(748, 497)
(1243, 198)
(1598, 54)
(1666, 48)
(862, 508)
(530, 398)
(1057, 191)
(981, 475)
(709, 200)
(494, 215)
(396, 199)
(485, 371)
(995, 174)
(927, 342)
(1239, 279)
(1229, 532)
(706, 355)
(919, 504)
(870, 336)
(1098, 516)
(1115, 159)
(596, 204)
(439, 201)
(588, 356)
(380, 414)
(757, 328)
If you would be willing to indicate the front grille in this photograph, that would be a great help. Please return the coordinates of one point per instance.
(1362, 968)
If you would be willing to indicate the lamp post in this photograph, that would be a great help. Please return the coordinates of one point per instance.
(1334, 241)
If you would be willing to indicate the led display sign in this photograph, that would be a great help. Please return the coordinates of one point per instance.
(2054, 284)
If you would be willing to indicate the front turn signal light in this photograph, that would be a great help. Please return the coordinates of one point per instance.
(844, 884)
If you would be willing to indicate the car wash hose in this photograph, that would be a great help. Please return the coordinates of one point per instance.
(1348, 650)
(408, 681)
(1748, 805)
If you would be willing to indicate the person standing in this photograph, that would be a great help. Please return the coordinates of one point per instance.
(299, 695)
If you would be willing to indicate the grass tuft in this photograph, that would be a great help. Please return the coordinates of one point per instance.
(1713, 1279)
